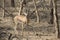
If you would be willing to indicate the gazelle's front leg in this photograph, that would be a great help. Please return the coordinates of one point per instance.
(15, 27)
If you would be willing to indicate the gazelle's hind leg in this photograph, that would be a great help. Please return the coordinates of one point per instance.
(15, 26)
(27, 21)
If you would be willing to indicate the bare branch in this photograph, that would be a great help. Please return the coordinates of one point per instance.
(36, 11)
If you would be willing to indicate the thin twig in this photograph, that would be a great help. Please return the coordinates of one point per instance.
(3, 7)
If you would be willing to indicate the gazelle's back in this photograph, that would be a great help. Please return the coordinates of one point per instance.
(21, 18)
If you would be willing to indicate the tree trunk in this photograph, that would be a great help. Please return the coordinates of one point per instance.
(55, 17)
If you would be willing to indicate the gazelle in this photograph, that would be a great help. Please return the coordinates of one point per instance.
(22, 18)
